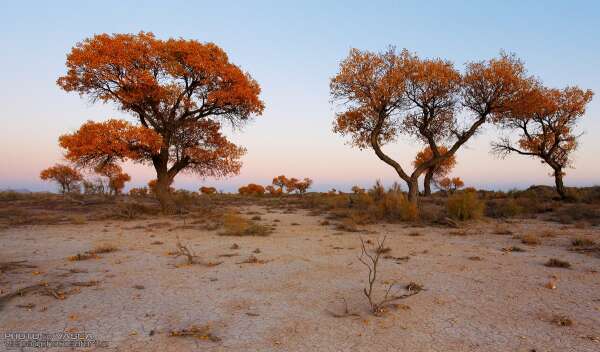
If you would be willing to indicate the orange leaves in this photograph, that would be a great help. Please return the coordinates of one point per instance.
(291, 185)
(252, 189)
(98, 143)
(450, 184)
(443, 168)
(140, 72)
(66, 176)
(208, 190)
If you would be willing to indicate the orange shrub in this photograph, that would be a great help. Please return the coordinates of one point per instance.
(208, 190)
(252, 189)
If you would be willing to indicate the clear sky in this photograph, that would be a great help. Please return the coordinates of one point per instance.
(292, 49)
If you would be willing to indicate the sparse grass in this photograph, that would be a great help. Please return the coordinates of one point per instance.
(236, 225)
(347, 225)
(557, 263)
(582, 242)
(415, 234)
(256, 217)
(465, 206)
(561, 320)
(104, 248)
(531, 240)
(199, 332)
(513, 249)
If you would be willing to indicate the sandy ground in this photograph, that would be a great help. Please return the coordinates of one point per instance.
(497, 303)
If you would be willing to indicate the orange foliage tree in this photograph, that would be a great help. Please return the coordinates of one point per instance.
(451, 184)
(546, 119)
(273, 191)
(252, 189)
(67, 177)
(389, 94)
(208, 190)
(280, 181)
(436, 172)
(295, 185)
(179, 92)
(116, 177)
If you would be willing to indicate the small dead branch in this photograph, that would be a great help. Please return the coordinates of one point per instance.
(371, 261)
(191, 258)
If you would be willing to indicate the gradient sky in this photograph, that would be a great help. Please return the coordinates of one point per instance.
(292, 49)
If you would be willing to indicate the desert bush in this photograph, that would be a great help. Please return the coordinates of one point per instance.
(531, 240)
(557, 263)
(208, 190)
(252, 190)
(569, 214)
(582, 242)
(395, 205)
(503, 208)
(236, 225)
(465, 206)
(132, 210)
(139, 192)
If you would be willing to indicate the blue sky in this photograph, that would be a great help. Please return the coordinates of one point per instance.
(292, 49)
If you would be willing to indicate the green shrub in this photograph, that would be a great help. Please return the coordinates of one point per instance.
(465, 206)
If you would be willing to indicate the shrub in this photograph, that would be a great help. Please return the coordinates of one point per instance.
(504, 208)
(557, 263)
(465, 206)
(531, 240)
(395, 206)
(252, 190)
(235, 225)
(138, 192)
(208, 190)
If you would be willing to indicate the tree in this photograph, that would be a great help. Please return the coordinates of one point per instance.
(67, 177)
(280, 181)
(304, 185)
(208, 190)
(273, 191)
(116, 177)
(291, 185)
(451, 184)
(436, 172)
(388, 94)
(546, 119)
(179, 91)
(252, 189)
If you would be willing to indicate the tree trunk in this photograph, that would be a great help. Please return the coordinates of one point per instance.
(560, 187)
(413, 190)
(427, 182)
(163, 183)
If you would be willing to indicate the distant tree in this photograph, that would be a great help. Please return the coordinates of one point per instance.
(273, 191)
(291, 185)
(252, 189)
(67, 177)
(116, 177)
(383, 96)
(178, 90)
(358, 190)
(304, 185)
(208, 190)
(436, 172)
(450, 184)
(280, 181)
(138, 192)
(546, 119)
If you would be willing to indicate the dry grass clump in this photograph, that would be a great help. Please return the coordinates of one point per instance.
(104, 248)
(531, 240)
(236, 225)
(561, 320)
(199, 332)
(557, 263)
(513, 249)
(465, 206)
(582, 242)
(588, 213)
